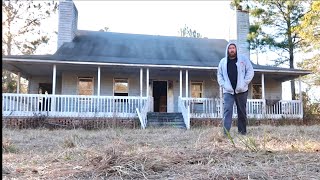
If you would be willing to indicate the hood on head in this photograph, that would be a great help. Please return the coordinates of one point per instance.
(228, 47)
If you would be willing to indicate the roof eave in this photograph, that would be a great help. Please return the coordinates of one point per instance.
(301, 72)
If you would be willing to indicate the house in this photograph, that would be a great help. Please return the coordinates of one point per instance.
(107, 74)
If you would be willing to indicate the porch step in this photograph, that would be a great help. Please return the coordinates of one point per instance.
(161, 119)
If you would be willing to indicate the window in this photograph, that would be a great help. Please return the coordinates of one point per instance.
(121, 87)
(85, 86)
(196, 89)
(256, 91)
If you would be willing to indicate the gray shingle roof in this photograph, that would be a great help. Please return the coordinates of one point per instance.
(143, 49)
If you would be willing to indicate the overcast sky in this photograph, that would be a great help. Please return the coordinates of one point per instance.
(212, 19)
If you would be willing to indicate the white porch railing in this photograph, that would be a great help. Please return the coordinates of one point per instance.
(285, 109)
(203, 107)
(142, 112)
(70, 105)
(256, 108)
(281, 109)
(125, 106)
(184, 108)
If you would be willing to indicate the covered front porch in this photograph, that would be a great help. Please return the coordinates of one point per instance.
(61, 103)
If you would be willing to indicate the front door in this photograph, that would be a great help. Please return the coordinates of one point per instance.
(45, 87)
(159, 96)
(45, 104)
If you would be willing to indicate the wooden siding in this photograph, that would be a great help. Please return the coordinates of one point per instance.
(273, 89)
(35, 80)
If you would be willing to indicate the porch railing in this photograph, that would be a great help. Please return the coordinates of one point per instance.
(285, 109)
(184, 108)
(70, 105)
(142, 112)
(256, 108)
(203, 107)
(125, 106)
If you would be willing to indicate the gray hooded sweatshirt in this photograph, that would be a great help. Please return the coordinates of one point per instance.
(245, 73)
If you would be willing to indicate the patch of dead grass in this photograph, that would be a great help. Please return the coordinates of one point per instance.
(284, 152)
(8, 146)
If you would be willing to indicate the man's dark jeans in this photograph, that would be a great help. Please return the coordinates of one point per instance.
(241, 102)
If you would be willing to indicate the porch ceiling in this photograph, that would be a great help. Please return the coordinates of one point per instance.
(278, 76)
(29, 69)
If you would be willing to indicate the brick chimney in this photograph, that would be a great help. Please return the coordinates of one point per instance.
(242, 32)
(68, 21)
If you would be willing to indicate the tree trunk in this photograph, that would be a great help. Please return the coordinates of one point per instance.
(9, 43)
(293, 87)
(293, 90)
(291, 58)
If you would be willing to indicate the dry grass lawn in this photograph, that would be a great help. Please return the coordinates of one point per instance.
(267, 152)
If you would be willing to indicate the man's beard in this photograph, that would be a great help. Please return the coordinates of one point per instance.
(232, 55)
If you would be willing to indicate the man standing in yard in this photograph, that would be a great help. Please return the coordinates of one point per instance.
(235, 72)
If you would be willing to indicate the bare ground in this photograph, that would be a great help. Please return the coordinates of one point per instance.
(267, 152)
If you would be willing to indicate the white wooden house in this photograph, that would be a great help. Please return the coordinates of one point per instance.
(107, 74)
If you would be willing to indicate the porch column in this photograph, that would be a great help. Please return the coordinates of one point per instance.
(99, 78)
(221, 101)
(141, 79)
(18, 83)
(180, 83)
(300, 98)
(262, 86)
(147, 93)
(187, 83)
(300, 92)
(263, 96)
(54, 79)
(53, 100)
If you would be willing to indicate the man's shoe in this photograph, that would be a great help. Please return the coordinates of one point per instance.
(243, 133)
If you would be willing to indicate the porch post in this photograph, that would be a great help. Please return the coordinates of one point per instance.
(262, 86)
(263, 95)
(54, 79)
(18, 83)
(300, 98)
(187, 83)
(221, 101)
(99, 78)
(147, 93)
(141, 78)
(180, 83)
(53, 100)
(300, 92)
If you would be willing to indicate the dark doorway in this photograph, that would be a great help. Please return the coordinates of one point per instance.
(45, 87)
(44, 103)
(159, 96)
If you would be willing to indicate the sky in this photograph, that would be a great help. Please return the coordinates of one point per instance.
(212, 19)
